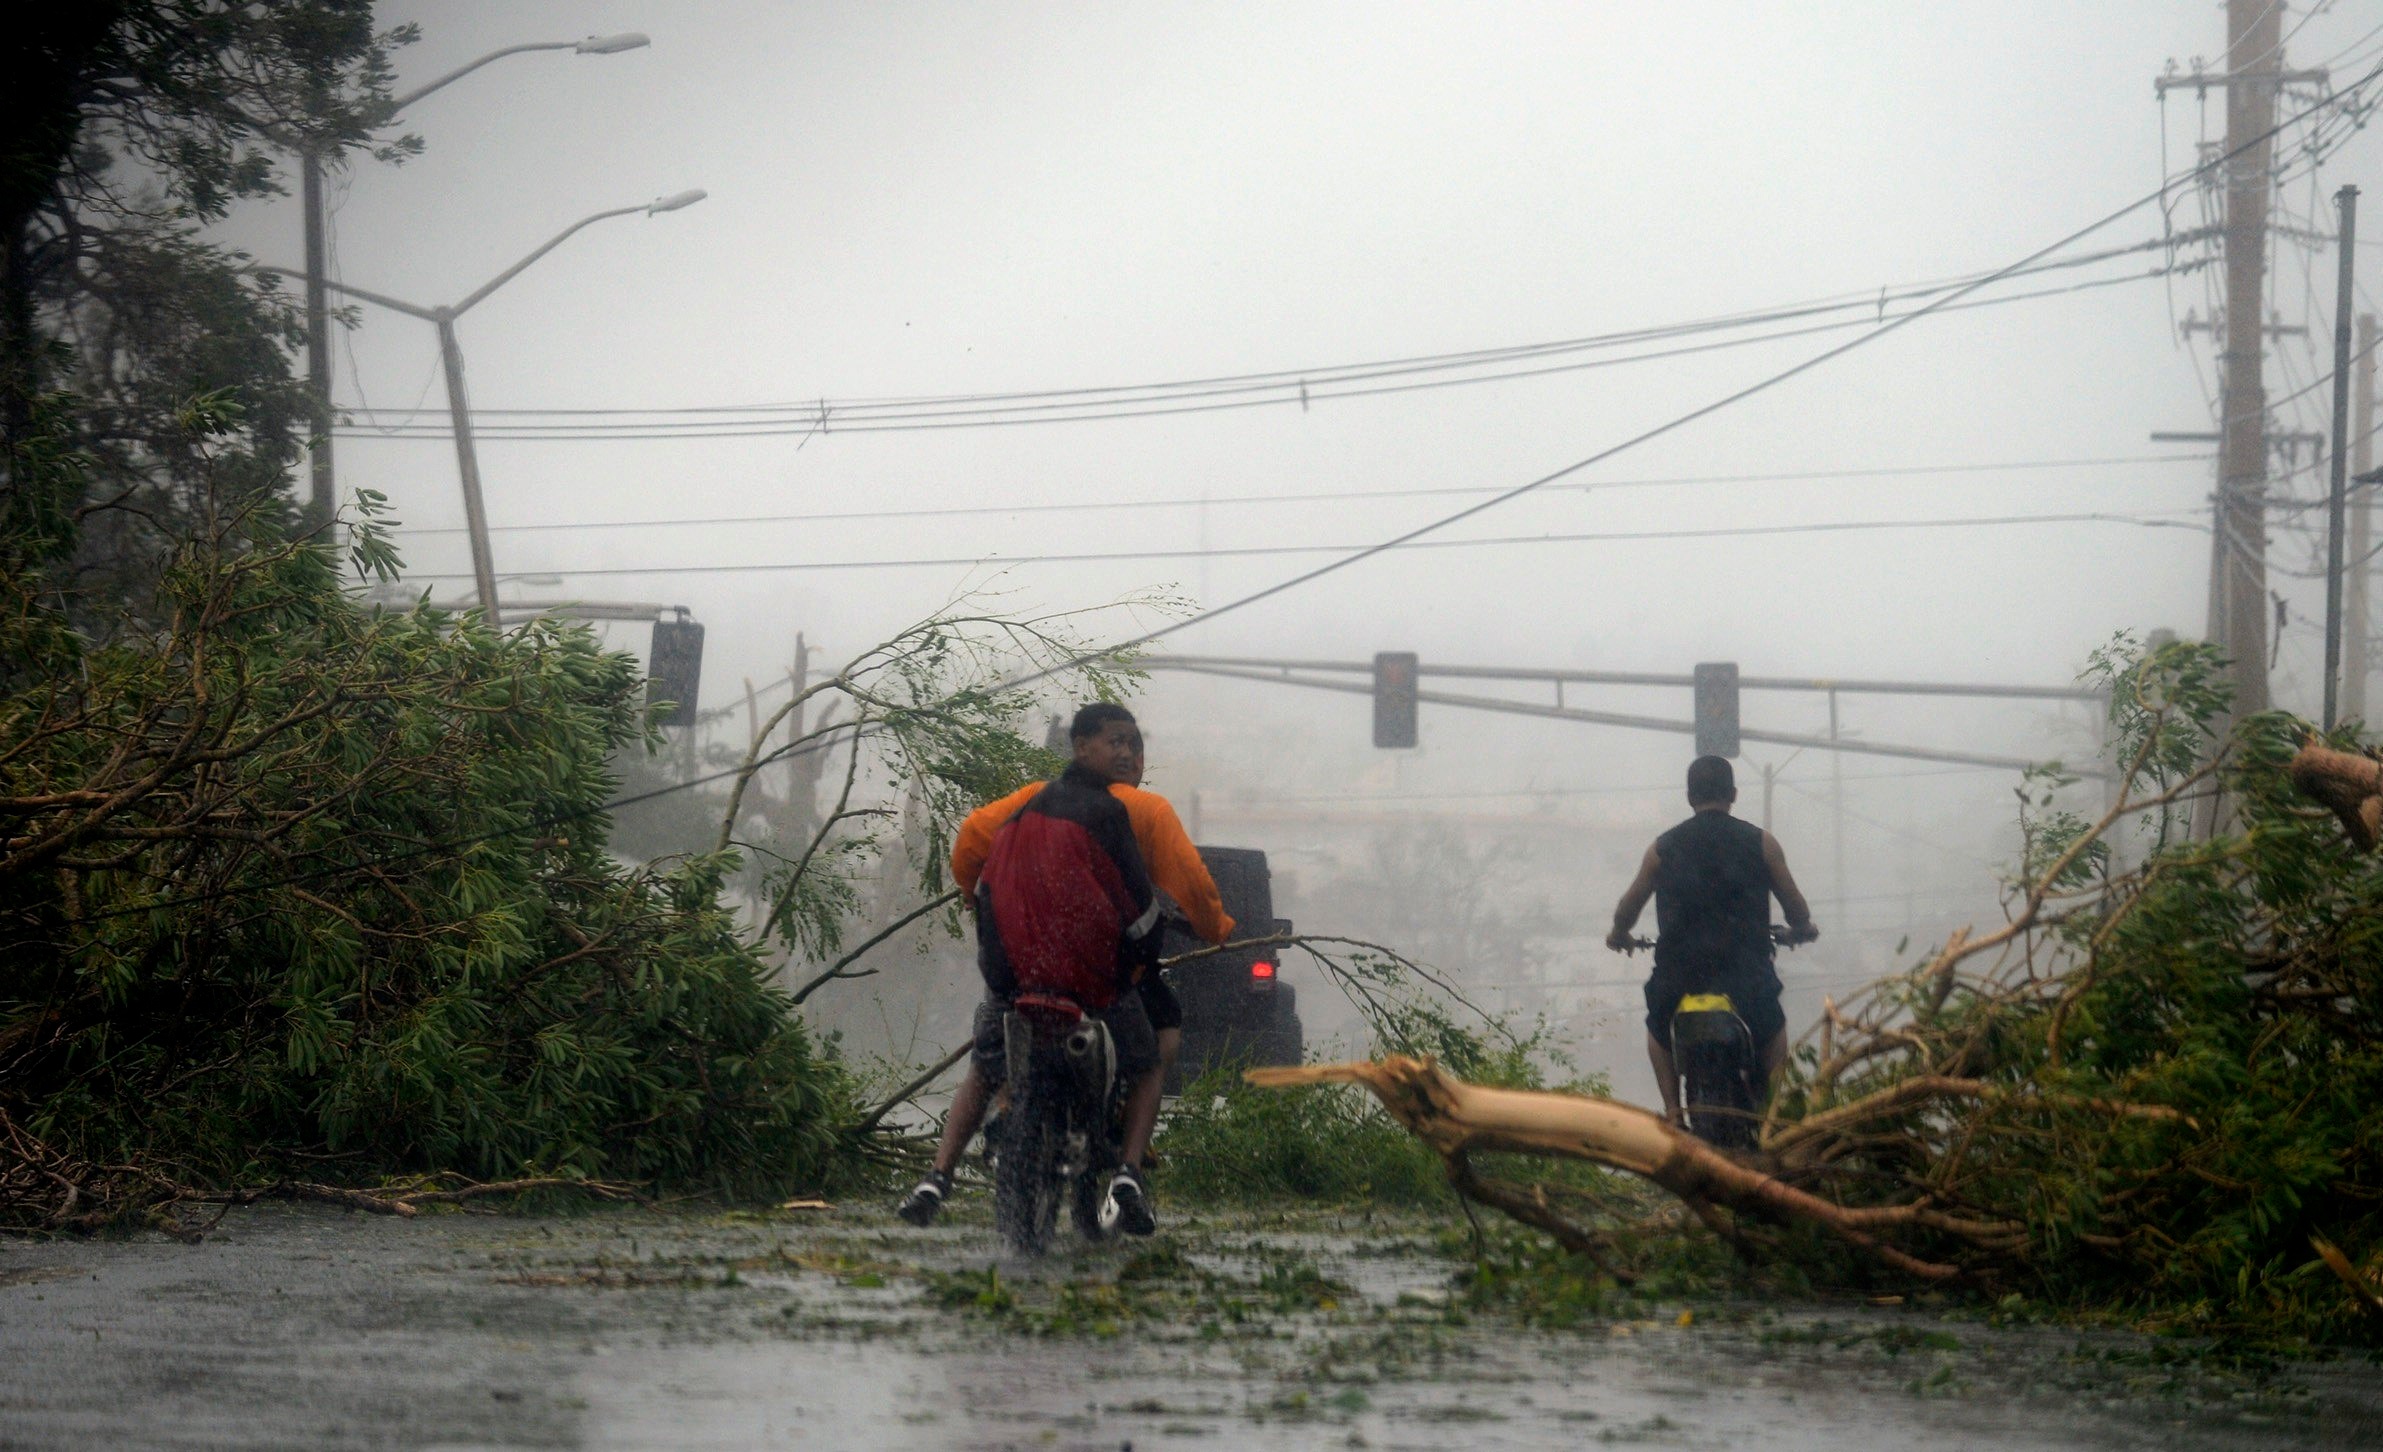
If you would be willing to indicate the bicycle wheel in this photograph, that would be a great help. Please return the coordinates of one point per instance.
(1025, 1177)
(1083, 1205)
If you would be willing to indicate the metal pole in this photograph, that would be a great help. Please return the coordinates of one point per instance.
(467, 464)
(322, 500)
(2355, 608)
(1770, 774)
(1836, 810)
(2345, 201)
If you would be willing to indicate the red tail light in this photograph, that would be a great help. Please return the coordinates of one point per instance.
(1262, 971)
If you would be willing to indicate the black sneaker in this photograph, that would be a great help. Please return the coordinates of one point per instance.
(1128, 1205)
(925, 1199)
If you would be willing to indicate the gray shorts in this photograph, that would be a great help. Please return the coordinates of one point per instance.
(1129, 1029)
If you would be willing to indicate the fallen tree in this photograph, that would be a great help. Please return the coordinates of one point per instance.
(2152, 1087)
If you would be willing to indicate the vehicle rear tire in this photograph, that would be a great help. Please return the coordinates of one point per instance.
(1718, 1097)
(1025, 1177)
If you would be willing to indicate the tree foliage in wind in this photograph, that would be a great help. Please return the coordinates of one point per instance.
(128, 127)
(2149, 1092)
(296, 895)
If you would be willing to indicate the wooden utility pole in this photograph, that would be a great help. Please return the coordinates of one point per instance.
(322, 497)
(803, 768)
(2354, 586)
(2238, 578)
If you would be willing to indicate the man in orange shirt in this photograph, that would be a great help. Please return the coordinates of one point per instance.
(1107, 747)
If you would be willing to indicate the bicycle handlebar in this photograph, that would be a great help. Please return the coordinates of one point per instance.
(1781, 936)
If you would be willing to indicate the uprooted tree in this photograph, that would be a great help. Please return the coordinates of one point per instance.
(2153, 1086)
(295, 891)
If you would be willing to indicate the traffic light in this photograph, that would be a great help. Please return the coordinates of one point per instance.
(674, 669)
(1717, 708)
(1394, 698)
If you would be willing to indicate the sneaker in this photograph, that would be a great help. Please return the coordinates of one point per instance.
(1128, 1205)
(925, 1199)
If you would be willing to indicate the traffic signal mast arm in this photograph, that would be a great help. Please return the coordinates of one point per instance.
(1844, 686)
(1282, 673)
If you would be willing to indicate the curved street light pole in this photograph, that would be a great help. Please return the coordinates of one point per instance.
(459, 410)
(322, 491)
(593, 45)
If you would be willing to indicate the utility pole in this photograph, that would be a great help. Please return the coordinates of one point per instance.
(2346, 205)
(2238, 577)
(2354, 588)
(802, 767)
(320, 505)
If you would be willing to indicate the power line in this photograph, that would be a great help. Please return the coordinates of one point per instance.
(891, 418)
(1680, 421)
(857, 408)
(1316, 496)
(2167, 519)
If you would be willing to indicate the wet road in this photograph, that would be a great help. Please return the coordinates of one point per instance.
(303, 1327)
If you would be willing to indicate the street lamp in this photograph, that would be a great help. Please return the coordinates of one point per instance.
(467, 460)
(318, 308)
(593, 45)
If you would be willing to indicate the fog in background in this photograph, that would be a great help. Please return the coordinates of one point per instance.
(932, 200)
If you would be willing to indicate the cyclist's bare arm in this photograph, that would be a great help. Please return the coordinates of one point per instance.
(1783, 886)
(1634, 902)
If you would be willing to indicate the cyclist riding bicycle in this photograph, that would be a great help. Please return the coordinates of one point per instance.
(1712, 878)
(1139, 835)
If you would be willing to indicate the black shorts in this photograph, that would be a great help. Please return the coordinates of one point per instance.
(1129, 1030)
(1753, 992)
(1160, 1003)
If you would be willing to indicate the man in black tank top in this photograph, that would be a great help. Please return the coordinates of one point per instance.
(1712, 878)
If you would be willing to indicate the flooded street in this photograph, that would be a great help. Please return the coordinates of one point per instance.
(300, 1326)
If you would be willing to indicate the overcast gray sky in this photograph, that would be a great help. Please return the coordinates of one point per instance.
(953, 199)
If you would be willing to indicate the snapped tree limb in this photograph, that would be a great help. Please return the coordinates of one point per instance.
(2349, 783)
(1457, 1119)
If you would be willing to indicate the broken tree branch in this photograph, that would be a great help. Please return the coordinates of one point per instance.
(1455, 1117)
(875, 1117)
(2346, 782)
(836, 971)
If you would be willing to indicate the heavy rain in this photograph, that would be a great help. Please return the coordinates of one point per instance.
(1488, 725)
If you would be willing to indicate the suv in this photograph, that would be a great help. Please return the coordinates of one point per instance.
(1236, 1008)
